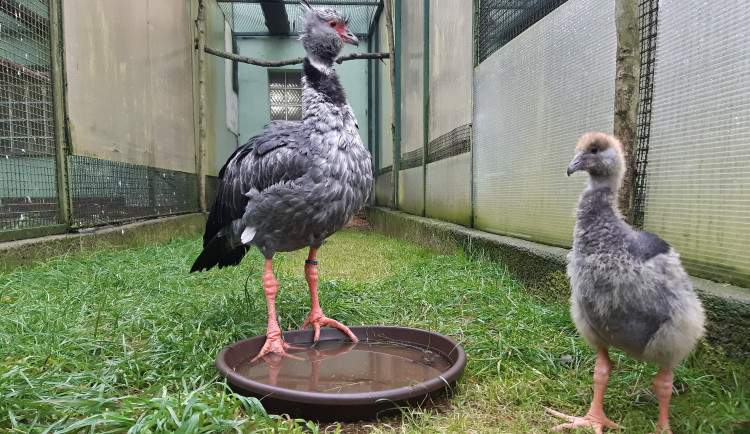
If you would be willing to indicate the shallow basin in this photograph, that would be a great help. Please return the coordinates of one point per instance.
(339, 380)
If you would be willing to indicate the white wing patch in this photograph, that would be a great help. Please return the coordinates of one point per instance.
(247, 235)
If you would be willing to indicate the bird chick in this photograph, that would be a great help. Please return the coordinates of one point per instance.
(628, 288)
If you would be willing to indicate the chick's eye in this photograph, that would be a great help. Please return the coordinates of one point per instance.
(333, 23)
(594, 150)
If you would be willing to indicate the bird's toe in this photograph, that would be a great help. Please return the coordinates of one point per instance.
(276, 346)
(592, 420)
(319, 320)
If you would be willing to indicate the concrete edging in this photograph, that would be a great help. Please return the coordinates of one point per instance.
(541, 269)
(24, 253)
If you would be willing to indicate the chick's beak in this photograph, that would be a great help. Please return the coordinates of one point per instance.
(576, 165)
(349, 38)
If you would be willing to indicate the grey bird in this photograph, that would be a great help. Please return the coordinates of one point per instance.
(296, 183)
(628, 288)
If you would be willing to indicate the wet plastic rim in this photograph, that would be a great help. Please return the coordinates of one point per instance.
(456, 355)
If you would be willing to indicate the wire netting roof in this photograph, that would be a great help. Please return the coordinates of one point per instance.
(502, 20)
(247, 19)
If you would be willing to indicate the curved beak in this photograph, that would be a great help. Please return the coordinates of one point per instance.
(349, 38)
(576, 165)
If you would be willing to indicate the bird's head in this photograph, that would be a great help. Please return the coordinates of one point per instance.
(324, 33)
(600, 155)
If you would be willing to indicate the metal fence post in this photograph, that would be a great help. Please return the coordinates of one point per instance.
(425, 102)
(60, 112)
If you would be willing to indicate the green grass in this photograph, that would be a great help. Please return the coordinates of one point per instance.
(126, 340)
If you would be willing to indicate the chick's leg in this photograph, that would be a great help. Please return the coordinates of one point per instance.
(316, 317)
(663, 390)
(274, 343)
(595, 418)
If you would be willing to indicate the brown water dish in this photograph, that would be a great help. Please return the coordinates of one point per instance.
(339, 380)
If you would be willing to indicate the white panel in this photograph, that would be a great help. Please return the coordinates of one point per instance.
(448, 193)
(411, 190)
(386, 101)
(450, 65)
(129, 74)
(533, 99)
(698, 173)
(412, 76)
(233, 123)
(384, 190)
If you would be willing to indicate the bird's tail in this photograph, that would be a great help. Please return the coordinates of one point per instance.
(219, 251)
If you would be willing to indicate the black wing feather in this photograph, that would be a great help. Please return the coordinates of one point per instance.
(254, 166)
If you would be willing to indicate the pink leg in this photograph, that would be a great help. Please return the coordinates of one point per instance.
(663, 391)
(316, 317)
(274, 343)
(595, 418)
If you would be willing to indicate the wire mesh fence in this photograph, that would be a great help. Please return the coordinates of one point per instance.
(101, 191)
(456, 142)
(28, 174)
(500, 21)
(647, 25)
(108, 191)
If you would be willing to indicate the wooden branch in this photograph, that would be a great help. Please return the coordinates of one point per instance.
(388, 11)
(285, 62)
(200, 24)
(356, 56)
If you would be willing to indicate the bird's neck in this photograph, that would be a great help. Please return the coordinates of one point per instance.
(324, 64)
(599, 200)
(322, 93)
(321, 85)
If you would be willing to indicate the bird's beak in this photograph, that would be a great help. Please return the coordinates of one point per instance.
(576, 165)
(349, 38)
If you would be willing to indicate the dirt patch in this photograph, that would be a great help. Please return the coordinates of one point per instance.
(360, 222)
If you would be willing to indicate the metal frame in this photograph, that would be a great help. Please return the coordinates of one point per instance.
(60, 132)
(425, 101)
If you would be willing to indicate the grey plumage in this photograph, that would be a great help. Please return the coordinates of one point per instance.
(296, 183)
(629, 289)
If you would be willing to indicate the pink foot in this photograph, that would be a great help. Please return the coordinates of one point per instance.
(317, 320)
(591, 420)
(274, 344)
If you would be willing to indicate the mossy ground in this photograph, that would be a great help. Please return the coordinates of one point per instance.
(125, 340)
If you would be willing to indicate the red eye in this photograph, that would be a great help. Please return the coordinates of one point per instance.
(333, 23)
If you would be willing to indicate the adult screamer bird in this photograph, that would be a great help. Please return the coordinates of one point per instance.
(296, 183)
(629, 290)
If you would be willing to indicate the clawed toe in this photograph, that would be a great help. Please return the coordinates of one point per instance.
(276, 346)
(597, 422)
(319, 321)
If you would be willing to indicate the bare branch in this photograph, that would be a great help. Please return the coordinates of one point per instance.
(277, 63)
(355, 56)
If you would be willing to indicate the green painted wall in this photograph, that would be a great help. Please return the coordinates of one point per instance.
(253, 99)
